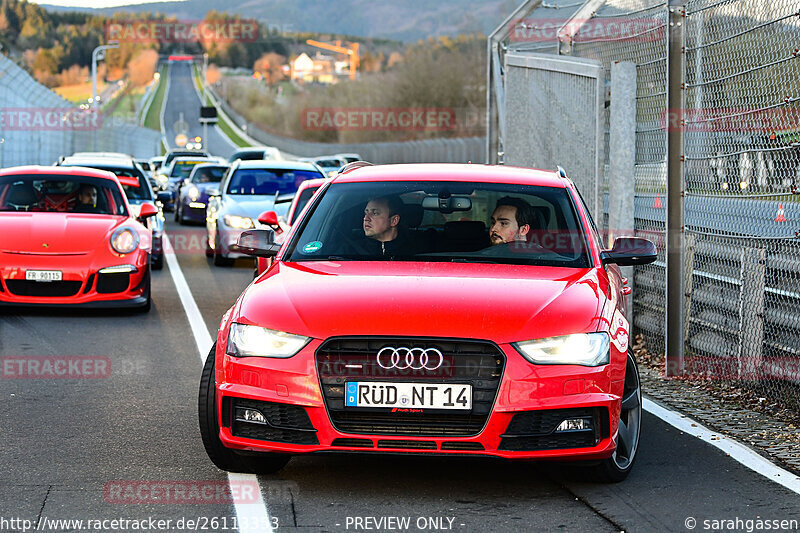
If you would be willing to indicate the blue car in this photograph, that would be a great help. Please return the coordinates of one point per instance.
(248, 189)
(193, 197)
(174, 175)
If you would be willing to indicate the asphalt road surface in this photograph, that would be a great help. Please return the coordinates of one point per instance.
(68, 444)
(182, 100)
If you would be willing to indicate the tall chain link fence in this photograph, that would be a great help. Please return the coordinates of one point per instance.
(37, 126)
(740, 120)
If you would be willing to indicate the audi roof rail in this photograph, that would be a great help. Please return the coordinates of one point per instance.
(354, 165)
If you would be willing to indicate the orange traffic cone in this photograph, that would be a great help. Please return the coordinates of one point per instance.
(657, 203)
(780, 217)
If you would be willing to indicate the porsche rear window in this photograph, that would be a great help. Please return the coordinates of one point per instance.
(61, 194)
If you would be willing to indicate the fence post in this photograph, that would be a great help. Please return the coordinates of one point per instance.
(751, 311)
(675, 347)
(691, 242)
(622, 160)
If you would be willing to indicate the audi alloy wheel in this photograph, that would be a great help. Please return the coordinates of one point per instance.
(616, 468)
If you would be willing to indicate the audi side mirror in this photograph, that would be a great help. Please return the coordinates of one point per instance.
(258, 243)
(629, 251)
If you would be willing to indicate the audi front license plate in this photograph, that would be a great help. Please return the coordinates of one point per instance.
(408, 395)
(43, 275)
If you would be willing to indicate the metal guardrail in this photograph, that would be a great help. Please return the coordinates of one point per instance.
(459, 150)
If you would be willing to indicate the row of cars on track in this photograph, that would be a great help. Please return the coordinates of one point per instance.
(429, 309)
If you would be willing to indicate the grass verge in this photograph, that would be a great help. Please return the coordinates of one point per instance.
(153, 118)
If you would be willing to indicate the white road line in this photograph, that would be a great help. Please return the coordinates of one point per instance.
(199, 329)
(737, 451)
(251, 517)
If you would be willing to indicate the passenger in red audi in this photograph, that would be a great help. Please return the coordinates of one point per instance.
(511, 220)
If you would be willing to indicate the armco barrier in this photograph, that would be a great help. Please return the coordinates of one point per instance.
(458, 150)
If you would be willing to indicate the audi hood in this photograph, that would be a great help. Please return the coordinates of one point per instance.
(506, 303)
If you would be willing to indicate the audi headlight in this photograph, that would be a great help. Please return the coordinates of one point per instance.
(193, 193)
(235, 221)
(124, 240)
(254, 341)
(585, 349)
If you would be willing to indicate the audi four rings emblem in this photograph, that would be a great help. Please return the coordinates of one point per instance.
(403, 358)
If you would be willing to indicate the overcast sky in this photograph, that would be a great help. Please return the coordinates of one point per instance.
(97, 3)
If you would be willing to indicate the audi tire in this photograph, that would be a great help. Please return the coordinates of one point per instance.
(225, 458)
(617, 467)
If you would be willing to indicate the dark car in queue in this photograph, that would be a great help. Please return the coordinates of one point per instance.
(247, 190)
(193, 197)
(176, 172)
(137, 195)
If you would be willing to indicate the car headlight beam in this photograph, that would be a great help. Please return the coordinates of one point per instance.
(237, 222)
(255, 341)
(585, 349)
(124, 240)
(193, 193)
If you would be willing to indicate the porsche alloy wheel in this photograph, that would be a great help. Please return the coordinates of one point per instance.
(617, 467)
(225, 458)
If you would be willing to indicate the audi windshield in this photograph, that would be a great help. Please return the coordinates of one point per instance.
(442, 221)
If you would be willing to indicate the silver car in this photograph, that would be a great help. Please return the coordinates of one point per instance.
(248, 189)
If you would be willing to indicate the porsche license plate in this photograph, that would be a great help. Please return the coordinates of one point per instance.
(43, 275)
(408, 395)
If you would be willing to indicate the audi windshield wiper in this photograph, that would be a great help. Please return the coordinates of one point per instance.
(472, 260)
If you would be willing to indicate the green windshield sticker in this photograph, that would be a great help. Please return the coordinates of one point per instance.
(312, 247)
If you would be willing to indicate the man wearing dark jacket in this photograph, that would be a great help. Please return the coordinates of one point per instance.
(383, 233)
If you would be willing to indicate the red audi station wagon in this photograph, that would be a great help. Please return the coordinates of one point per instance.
(431, 309)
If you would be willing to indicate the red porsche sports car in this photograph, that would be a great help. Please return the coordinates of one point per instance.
(431, 309)
(67, 237)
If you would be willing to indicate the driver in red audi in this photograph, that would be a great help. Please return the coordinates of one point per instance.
(383, 232)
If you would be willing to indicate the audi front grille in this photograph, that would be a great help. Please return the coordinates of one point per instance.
(478, 363)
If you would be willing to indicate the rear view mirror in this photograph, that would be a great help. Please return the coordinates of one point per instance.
(257, 242)
(447, 205)
(629, 251)
(284, 198)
